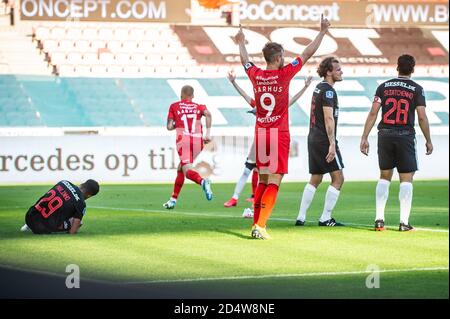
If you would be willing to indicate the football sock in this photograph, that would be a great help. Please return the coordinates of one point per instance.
(179, 181)
(267, 203)
(330, 201)
(241, 183)
(382, 194)
(257, 201)
(307, 197)
(255, 179)
(194, 176)
(405, 196)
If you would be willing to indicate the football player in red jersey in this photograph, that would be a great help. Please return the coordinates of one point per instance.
(271, 89)
(250, 163)
(185, 117)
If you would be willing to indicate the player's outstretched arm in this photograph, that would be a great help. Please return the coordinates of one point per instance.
(232, 79)
(425, 127)
(370, 121)
(240, 39)
(208, 119)
(294, 99)
(314, 45)
(76, 224)
(329, 126)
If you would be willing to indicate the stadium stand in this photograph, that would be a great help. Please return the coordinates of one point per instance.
(82, 73)
(132, 102)
(129, 50)
(110, 50)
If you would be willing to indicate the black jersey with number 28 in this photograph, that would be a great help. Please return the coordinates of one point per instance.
(399, 98)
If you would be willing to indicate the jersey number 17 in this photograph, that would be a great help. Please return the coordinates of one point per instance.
(186, 124)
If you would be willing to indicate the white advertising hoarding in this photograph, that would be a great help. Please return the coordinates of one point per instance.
(41, 159)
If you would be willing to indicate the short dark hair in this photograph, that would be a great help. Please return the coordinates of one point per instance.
(326, 65)
(91, 187)
(406, 64)
(187, 90)
(271, 50)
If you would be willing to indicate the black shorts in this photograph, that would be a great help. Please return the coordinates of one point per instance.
(34, 221)
(397, 150)
(317, 152)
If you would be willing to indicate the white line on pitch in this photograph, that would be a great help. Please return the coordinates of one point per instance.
(224, 216)
(235, 216)
(313, 274)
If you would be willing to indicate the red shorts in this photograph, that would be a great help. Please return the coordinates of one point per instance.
(188, 148)
(272, 151)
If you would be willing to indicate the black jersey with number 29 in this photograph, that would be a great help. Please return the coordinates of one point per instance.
(62, 202)
(399, 98)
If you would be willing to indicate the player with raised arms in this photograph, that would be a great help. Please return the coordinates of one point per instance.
(250, 163)
(271, 89)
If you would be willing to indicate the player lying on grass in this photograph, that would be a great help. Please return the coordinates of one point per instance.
(250, 163)
(399, 99)
(61, 209)
(272, 137)
(185, 117)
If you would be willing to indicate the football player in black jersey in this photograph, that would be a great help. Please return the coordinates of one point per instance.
(61, 209)
(399, 99)
(323, 150)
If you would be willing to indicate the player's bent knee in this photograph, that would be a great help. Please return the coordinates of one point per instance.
(250, 166)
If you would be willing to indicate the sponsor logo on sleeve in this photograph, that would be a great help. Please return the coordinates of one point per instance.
(329, 94)
(248, 65)
(295, 62)
(376, 99)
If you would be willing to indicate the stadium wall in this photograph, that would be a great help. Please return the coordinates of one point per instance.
(263, 12)
(42, 159)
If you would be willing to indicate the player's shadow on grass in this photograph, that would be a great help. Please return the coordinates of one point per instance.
(233, 233)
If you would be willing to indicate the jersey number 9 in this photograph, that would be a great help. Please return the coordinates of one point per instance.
(267, 101)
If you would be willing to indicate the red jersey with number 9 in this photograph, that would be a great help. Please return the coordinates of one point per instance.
(271, 88)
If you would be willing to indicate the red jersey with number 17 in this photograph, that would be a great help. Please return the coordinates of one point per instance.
(187, 116)
(271, 88)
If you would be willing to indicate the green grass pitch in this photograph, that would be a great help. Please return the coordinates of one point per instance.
(203, 250)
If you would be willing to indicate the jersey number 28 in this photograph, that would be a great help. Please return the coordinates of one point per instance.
(400, 107)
